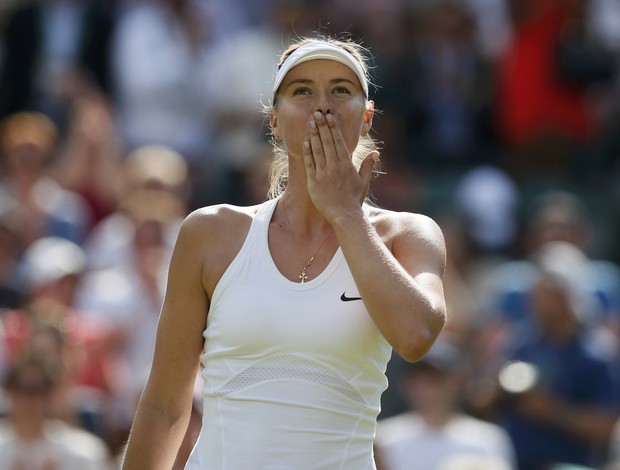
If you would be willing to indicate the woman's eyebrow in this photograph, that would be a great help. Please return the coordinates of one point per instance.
(307, 81)
(303, 81)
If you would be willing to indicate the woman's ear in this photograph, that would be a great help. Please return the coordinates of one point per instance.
(368, 115)
(273, 122)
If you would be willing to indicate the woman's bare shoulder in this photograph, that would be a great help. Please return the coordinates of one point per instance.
(215, 234)
(409, 224)
(412, 236)
(220, 220)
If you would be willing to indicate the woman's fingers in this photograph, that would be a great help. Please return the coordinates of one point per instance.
(332, 176)
(365, 171)
(308, 157)
(316, 144)
(340, 147)
(367, 166)
(326, 140)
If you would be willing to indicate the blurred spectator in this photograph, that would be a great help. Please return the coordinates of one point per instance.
(480, 230)
(436, 429)
(154, 168)
(37, 204)
(565, 413)
(544, 80)
(557, 216)
(508, 309)
(158, 56)
(487, 199)
(29, 438)
(127, 255)
(252, 183)
(54, 50)
(127, 294)
(446, 90)
(89, 162)
(52, 268)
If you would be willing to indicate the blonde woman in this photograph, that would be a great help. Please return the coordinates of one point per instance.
(294, 306)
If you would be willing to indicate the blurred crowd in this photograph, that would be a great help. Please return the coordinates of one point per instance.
(498, 118)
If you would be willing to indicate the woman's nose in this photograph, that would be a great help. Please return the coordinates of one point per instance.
(322, 103)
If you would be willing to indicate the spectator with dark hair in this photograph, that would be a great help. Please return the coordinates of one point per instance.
(560, 216)
(565, 413)
(555, 216)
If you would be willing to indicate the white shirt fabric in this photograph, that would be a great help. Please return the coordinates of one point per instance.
(406, 442)
(63, 447)
(293, 374)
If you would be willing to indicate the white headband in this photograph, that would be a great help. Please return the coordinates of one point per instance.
(320, 50)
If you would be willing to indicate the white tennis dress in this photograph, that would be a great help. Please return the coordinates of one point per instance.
(293, 372)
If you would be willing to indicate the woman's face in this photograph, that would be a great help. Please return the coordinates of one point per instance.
(320, 85)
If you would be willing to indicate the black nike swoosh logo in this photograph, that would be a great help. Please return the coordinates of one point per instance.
(344, 298)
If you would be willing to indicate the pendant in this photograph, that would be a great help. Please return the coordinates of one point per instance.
(303, 277)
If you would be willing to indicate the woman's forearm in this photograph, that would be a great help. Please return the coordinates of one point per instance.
(155, 438)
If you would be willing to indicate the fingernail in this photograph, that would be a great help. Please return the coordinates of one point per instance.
(318, 114)
(329, 118)
(306, 144)
(313, 124)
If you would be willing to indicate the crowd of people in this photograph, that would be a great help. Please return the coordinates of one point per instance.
(498, 118)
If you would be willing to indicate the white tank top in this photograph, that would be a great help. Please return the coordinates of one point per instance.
(293, 373)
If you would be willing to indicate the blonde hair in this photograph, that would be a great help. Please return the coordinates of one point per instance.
(278, 174)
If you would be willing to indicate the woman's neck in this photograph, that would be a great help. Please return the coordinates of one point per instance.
(300, 215)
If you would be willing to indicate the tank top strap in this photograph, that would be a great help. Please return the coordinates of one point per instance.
(258, 230)
(260, 223)
(265, 211)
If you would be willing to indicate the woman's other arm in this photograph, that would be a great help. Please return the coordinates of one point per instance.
(401, 286)
(397, 261)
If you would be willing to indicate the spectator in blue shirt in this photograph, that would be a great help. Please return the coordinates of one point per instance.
(567, 412)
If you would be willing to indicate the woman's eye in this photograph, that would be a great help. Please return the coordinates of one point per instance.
(341, 89)
(301, 91)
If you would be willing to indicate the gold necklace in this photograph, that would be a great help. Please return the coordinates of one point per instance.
(303, 276)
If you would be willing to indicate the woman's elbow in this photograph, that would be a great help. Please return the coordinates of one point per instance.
(414, 345)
